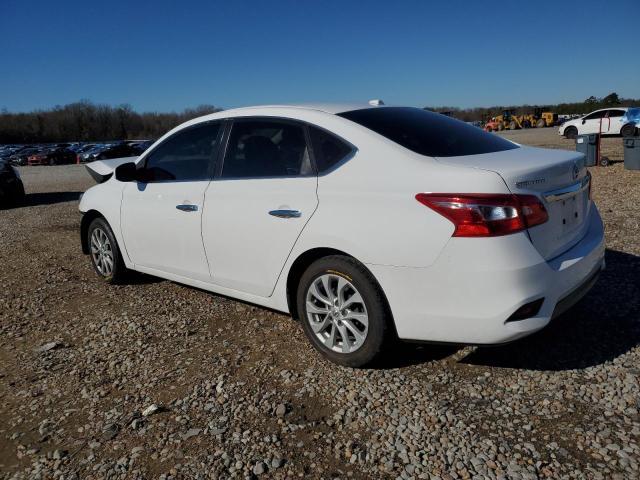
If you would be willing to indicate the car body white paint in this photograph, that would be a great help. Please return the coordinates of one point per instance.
(607, 125)
(439, 287)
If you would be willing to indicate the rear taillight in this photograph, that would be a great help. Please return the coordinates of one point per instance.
(486, 215)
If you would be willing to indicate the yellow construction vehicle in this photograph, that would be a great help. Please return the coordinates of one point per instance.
(545, 119)
(509, 121)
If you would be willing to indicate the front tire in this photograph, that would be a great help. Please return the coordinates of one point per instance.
(104, 252)
(571, 133)
(343, 311)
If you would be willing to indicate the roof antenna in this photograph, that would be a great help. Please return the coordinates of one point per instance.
(377, 102)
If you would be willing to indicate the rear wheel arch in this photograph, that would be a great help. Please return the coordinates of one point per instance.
(304, 261)
(629, 129)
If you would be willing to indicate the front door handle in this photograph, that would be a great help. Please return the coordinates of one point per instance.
(187, 208)
(285, 213)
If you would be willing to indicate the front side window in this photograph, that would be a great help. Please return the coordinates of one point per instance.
(328, 150)
(185, 156)
(266, 148)
(428, 133)
(596, 115)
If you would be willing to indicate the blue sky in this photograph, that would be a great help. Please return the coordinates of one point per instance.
(167, 55)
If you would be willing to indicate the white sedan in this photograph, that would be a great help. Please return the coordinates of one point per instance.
(368, 223)
(607, 121)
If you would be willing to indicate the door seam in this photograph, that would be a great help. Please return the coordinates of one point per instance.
(296, 241)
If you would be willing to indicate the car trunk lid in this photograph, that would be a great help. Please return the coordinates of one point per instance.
(558, 177)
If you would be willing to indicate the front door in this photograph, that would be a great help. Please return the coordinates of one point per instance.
(257, 207)
(161, 215)
(592, 122)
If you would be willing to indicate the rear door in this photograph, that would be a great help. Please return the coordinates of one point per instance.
(161, 217)
(615, 121)
(261, 199)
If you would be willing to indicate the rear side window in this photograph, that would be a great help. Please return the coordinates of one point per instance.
(616, 113)
(266, 148)
(428, 133)
(328, 150)
(185, 156)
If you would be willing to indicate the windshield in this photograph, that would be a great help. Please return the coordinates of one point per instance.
(428, 133)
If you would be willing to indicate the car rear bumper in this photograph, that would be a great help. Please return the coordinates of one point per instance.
(475, 285)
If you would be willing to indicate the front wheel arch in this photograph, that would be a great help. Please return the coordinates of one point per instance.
(87, 218)
(571, 128)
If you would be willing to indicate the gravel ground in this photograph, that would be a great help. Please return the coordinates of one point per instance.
(157, 380)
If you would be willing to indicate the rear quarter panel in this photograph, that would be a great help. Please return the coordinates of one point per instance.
(368, 209)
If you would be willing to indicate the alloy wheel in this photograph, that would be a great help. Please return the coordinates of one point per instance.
(102, 252)
(336, 313)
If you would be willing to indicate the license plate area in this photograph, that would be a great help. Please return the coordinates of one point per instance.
(570, 213)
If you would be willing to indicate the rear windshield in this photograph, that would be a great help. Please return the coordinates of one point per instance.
(428, 133)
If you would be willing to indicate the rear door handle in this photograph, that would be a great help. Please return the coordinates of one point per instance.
(187, 208)
(285, 213)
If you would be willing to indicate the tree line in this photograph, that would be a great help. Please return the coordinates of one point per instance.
(590, 104)
(87, 122)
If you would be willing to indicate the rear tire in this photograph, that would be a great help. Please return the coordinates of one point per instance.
(571, 133)
(104, 252)
(350, 323)
(52, 162)
(628, 130)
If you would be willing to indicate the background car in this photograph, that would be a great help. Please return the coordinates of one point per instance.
(140, 147)
(608, 121)
(103, 152)
(11, 187)
(57, 155)
(9, 150)
(21, 157)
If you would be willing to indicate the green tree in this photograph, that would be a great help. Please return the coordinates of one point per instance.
(611, 99)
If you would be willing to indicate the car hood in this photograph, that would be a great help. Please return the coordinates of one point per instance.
(101, 170)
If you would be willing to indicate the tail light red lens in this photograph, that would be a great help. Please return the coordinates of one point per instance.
(486, 215)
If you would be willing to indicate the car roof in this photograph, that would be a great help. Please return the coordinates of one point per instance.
(278, 109)
(333, 108)
(608, 108)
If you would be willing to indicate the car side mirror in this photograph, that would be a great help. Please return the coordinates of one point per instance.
(127, 172)
(584, 121)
